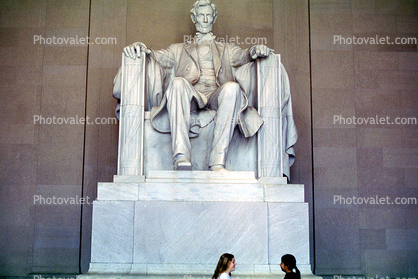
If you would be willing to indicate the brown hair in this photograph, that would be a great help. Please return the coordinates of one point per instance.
(223, 264)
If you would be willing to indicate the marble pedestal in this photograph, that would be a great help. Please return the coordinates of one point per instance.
(177, 224)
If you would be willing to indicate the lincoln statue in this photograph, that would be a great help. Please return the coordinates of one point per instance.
(201, 75)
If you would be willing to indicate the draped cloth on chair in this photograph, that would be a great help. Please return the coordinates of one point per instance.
(266, 86)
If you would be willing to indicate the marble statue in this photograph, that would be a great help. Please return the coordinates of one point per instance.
(194, 83)
(225, 113)
(203, 75)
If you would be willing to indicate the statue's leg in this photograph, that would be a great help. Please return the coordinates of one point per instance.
(179, 95)
(226, 100)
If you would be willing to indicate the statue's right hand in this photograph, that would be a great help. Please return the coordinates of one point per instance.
(134, 50)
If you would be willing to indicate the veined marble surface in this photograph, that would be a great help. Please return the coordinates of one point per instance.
(233, 186)
(174, 225)
(192, 232)
(113, 231)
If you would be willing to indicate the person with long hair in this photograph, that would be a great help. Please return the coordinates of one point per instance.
(288, 265)
(226, 265)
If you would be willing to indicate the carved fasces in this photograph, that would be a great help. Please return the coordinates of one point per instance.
(270, 137)
(131, 126)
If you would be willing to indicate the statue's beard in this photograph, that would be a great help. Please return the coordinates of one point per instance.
(203, 30)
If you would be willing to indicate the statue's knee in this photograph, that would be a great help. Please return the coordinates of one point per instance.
(232, 86)
(177, 86)
(178, 82)
(231, 89)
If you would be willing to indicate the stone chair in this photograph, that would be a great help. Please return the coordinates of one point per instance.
(142, 149)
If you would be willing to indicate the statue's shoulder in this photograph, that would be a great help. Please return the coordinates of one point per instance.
(176, 48)
(176, 45)
(227, 47)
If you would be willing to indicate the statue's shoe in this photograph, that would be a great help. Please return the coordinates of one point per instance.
(218, 168)
(183, 163)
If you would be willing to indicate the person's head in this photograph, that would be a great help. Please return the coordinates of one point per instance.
(289, 263)
(226, 264)
(203, 15)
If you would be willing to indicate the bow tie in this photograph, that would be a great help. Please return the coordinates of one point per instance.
(205, 38)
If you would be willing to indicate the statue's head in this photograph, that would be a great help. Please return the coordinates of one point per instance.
(203, 15)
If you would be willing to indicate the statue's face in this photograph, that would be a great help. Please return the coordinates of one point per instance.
(204, 19)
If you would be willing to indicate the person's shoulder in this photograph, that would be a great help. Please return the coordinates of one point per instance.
(224, 276)
(291, 275)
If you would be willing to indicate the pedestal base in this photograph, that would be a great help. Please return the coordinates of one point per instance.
(177, 224)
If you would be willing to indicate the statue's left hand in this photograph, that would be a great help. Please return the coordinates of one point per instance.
(134, 50)
(260, 51)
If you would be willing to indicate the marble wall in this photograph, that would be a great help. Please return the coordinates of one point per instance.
(327, 79)
(365, 160)
(41, 160)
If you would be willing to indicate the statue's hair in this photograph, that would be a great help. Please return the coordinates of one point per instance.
(199, 3)
(223, 264)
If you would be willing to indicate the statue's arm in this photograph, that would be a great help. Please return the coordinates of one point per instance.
(164, 57)
(260, 51)
(244, 56)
